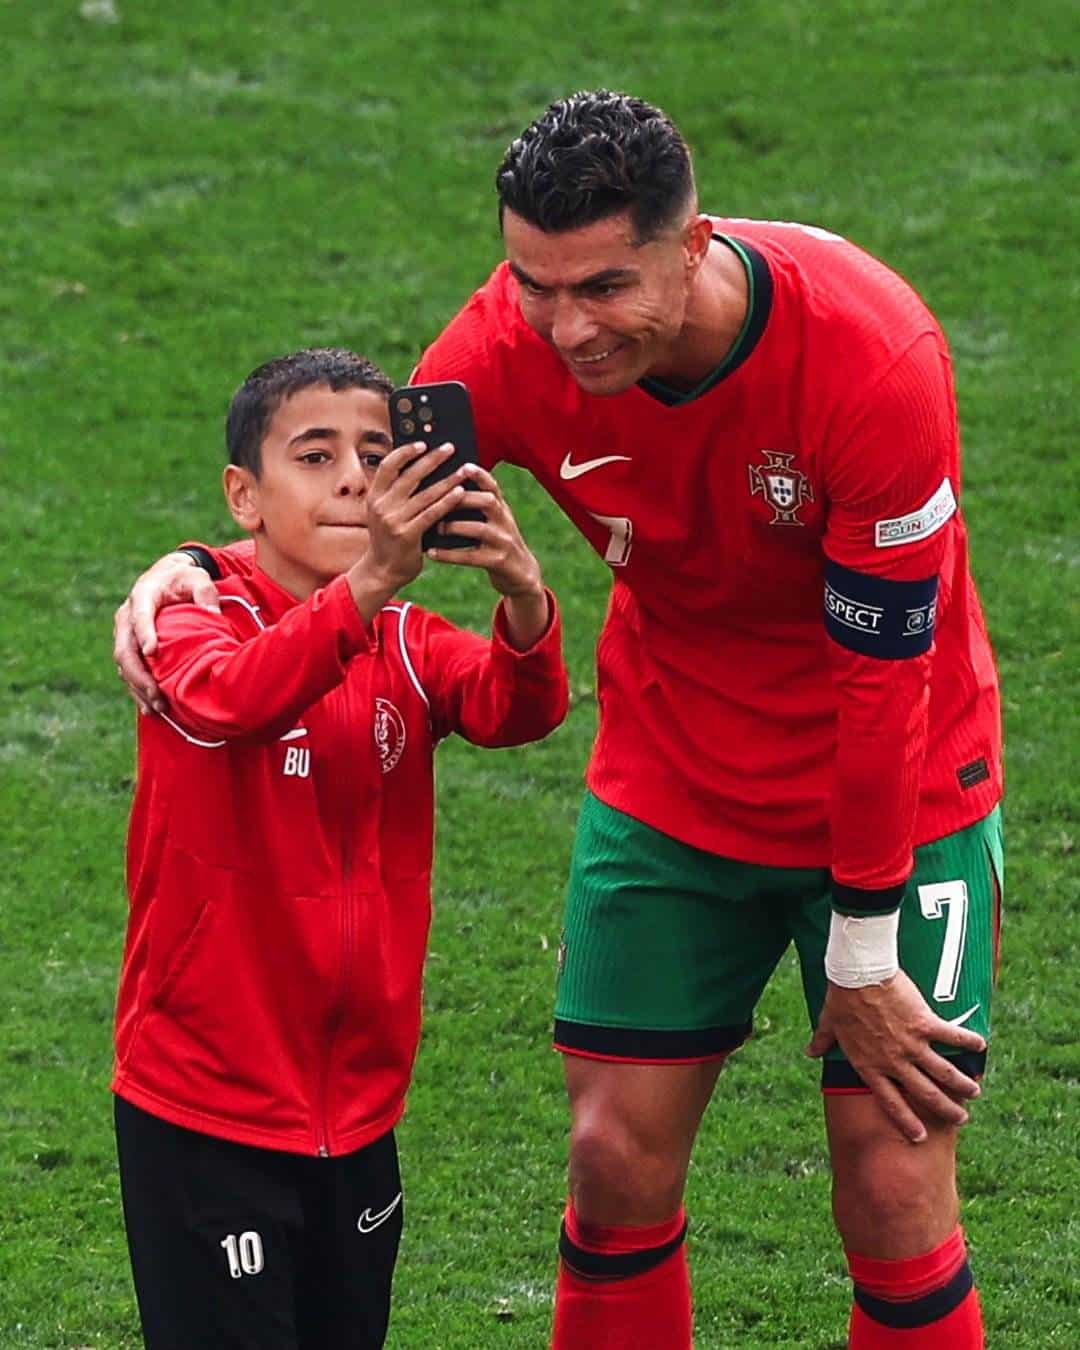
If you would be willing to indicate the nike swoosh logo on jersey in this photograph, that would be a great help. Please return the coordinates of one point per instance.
(294, 735)
(959, 1021)
(367, 1221)
(569, 471)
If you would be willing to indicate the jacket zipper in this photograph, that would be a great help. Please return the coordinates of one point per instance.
(334, 1020)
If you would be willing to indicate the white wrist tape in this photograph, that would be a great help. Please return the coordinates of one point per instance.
(862, 951)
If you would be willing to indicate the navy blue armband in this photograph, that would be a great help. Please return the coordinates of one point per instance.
(201, 557)
(877, 616)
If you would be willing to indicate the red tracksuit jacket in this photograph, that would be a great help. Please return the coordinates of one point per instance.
(279, 855)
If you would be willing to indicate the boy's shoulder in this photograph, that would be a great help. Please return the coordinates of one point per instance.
(240, 599)
(243, 611)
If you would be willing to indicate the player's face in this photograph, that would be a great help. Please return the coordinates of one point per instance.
(611, 307)
(319, 457)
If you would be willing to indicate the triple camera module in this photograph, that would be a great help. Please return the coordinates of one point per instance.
(422, 412)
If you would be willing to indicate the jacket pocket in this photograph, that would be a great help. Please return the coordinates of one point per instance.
(236, 1026)
(183, 956)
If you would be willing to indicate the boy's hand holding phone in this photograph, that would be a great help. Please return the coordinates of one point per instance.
(502, 553)
(477, 528)
(399, 510)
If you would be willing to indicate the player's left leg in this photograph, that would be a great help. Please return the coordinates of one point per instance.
(897, 1212)
(353, 1221)
(895, 1203)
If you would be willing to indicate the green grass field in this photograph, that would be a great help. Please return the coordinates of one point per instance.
(188, 190)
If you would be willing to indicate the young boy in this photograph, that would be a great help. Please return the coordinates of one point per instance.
(279, 862)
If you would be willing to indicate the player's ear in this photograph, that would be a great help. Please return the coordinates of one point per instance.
(696, 237)
(242, 496)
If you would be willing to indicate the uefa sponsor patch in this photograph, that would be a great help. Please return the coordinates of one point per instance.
(917, 524)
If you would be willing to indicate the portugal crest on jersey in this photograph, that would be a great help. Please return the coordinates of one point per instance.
(784, 488)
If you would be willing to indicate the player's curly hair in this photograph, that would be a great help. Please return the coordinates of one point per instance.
(268, 385)
(592, 155)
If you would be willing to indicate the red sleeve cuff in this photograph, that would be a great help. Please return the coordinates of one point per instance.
(551, 636)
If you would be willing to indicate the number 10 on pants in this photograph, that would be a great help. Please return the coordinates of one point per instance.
(245, 1253)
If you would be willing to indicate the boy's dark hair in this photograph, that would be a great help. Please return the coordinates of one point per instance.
(593, 155)
(268, 385)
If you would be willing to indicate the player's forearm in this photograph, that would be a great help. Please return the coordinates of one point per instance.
(873, 817)
(881, 743)
(882, 720)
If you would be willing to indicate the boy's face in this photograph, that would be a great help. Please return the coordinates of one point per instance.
(308, 506)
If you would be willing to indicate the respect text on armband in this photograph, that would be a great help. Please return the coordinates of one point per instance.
(878, 616)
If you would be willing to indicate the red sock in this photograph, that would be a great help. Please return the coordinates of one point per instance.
(622, 1288)
(922, 1303)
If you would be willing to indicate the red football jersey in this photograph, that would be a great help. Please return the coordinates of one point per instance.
(794, 669)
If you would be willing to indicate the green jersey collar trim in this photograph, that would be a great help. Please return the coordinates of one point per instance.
(759, 304)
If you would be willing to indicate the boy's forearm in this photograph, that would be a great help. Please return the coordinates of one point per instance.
(221, 686)
(370, 589)
(528, 614)
(492, 692)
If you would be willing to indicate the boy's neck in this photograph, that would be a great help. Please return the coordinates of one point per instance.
(294, 581)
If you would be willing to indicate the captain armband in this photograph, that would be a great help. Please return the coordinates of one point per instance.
(862, 951)
(877, 616)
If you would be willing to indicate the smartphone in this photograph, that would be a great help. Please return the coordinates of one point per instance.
(435, 414)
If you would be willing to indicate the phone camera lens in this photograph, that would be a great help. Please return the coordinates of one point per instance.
(408, 425)
(404, 405)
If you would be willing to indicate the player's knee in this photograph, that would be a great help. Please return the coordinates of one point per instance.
(892, 1190)
(618, 1175)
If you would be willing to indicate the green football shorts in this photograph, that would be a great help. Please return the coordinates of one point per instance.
(666, 949)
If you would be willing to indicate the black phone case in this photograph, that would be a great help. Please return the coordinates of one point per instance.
(434, 414)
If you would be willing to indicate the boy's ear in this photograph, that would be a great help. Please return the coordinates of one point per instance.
(242, 495)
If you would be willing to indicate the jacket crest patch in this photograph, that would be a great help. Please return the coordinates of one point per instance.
(389, 733)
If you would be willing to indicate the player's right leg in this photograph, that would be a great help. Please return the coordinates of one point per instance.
(623, 1280)
(665, 952)
(213, 1230)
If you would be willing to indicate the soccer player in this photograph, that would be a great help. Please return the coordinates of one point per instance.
(754, 424)
(279, 866)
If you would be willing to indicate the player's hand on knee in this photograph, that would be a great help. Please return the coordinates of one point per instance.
(885, 1031)
(169, 581)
